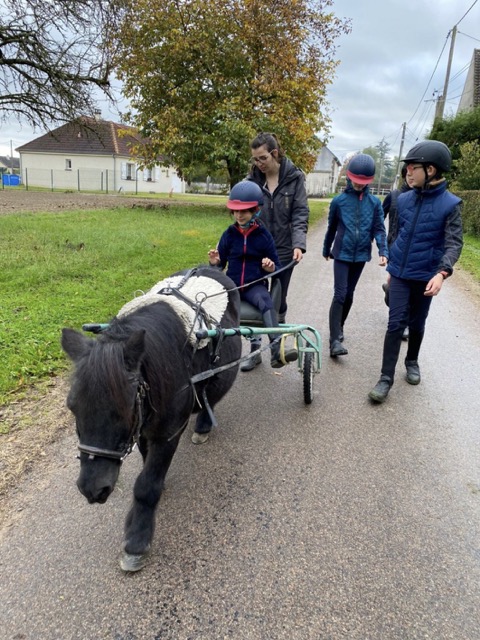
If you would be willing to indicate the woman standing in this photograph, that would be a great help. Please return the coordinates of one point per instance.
(285, 211)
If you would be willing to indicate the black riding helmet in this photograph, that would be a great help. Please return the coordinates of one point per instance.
(430, 152)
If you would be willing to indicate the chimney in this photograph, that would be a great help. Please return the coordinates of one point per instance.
(97, 114)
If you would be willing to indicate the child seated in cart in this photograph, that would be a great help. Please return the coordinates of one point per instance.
(248, 249)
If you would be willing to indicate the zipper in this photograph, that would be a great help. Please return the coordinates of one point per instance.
(357, 220)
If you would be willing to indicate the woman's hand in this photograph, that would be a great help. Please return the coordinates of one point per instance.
(382, 261)
(297, 254)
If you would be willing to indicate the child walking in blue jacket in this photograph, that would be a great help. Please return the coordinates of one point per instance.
(355, 219)
(247, 250)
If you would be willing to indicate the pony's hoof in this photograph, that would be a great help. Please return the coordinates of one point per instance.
(130, 562)
(199, 438)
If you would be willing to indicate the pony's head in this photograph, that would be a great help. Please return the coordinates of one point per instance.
(104, 398)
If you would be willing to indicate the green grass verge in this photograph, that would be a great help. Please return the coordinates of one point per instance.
(66, 269)
(470, 258)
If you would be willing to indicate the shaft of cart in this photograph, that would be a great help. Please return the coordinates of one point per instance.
(307, 339)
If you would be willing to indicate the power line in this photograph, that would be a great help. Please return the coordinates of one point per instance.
(468, 11)
(433, 73)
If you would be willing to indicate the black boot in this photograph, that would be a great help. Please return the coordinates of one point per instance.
(254, 360)
(391, 349)
(290, 355)
(347, 305)
(380, 391)
(413, 371)
(386, 290)
(415, 339)
(411, 360)
(336, 347)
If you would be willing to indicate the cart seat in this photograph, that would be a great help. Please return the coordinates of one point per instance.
(250, 316)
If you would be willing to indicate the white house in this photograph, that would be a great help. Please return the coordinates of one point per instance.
(93, 155)
(324, 176)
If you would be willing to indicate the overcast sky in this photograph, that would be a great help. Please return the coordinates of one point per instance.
(392, 66)
(387, 64)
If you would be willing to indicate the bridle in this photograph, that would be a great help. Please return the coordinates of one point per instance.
(135, 431)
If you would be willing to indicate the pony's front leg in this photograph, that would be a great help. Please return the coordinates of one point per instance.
(140, 522)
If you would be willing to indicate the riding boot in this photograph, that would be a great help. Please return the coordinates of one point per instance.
(290, 355)
(411, 360)
(335, 317)
(391, 350)
(347, 305)
(386, 290)
(255, 357)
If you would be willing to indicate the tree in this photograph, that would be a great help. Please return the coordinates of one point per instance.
(204, 76)
(467, 167)
(52, 57)
(455, 131)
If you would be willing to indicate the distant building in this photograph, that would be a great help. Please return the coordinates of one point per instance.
(323, 178)
(471, 91)
(93, 154)
(9, 164)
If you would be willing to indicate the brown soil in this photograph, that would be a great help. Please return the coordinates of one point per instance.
(14, 201)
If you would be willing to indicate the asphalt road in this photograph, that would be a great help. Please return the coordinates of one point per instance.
(336, 520)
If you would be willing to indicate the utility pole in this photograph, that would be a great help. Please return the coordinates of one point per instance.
(11, 157)
(402, 141)
(441, 99)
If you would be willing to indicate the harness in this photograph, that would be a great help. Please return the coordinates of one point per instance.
(135, 431)
(141, 395)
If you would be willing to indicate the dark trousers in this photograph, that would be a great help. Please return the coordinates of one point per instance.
(284, 278)
(408, 306)
(345, 276)
(258, 296)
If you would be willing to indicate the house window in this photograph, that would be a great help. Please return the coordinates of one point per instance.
(68, 165)
(130, 171)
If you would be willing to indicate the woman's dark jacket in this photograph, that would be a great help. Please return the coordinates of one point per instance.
(430, 237)
(243, 252)
(285, 212)
(355, 219)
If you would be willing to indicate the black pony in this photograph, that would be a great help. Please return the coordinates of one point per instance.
(134, 384)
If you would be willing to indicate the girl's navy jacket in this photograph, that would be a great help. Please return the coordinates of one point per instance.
(243, 250)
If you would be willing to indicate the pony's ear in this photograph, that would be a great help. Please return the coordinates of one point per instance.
(134, 349)
(74, 343)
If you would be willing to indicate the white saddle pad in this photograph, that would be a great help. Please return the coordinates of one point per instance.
(200, 290)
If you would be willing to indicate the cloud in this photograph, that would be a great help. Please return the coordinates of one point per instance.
(386, 66)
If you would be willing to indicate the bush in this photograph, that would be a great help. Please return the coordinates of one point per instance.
(471, 211)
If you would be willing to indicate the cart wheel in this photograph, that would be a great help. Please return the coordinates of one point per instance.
(308, 372)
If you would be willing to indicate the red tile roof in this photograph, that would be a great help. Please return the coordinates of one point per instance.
(87, 136)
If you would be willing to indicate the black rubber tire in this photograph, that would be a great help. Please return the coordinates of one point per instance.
(308, 373)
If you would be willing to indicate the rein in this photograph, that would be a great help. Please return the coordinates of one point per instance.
(134, 436)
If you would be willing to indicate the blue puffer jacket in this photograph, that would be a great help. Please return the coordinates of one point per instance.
(354, 220)
(419, 249)
(243, 250)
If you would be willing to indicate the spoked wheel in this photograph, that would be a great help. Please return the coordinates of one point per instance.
(308, 373)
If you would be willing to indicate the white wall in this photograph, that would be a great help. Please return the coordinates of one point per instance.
(95, 173)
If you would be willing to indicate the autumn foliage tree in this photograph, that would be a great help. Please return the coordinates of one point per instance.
(204, 76)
